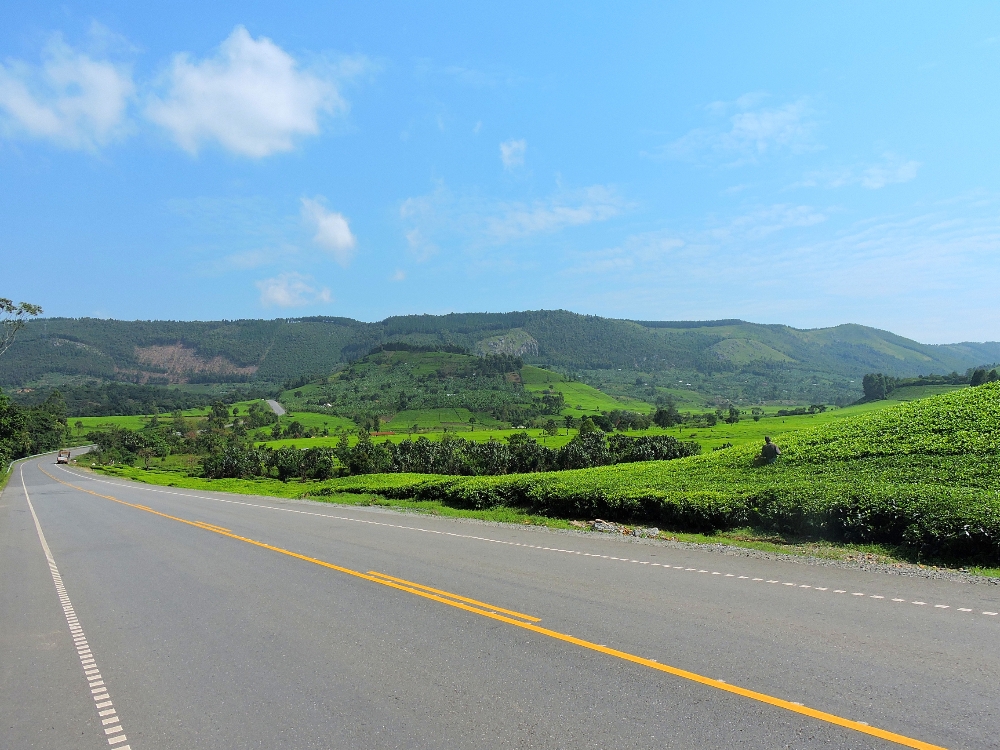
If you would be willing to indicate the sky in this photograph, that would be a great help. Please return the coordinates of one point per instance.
(800, 163)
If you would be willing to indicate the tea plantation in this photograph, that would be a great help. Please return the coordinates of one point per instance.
(923, 474)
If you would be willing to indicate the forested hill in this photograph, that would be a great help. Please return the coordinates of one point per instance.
(272, 351)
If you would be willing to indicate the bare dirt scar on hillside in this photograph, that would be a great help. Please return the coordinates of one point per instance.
(179, 360)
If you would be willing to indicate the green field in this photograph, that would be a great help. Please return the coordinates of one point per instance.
(745, 431)
(581, 398)
(431, 419)
(315, 421)
(137, 422)
(921, 474)
(479, 435)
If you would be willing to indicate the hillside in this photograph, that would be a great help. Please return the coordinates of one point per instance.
(402, 388)
(724, 359)
(922, 474)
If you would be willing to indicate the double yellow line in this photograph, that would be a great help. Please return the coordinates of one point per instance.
(528, 622)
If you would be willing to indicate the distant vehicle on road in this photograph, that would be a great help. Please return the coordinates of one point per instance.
(63, 457)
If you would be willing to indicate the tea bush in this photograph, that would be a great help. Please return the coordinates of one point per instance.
(922, 474)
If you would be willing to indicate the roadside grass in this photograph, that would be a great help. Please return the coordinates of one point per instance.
(310, 490)
(746, 538)
(4, 478)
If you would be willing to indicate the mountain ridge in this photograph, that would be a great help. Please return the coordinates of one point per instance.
(732, 357)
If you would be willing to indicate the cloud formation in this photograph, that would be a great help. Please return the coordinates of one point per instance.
(744, 131)
(515, 221)
(71, 99)
(441, 218)
(333, 233)
(251, 97)
(291, 290)
(512, 153)
(891, 170)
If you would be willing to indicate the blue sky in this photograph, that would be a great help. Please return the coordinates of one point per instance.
(783, 163)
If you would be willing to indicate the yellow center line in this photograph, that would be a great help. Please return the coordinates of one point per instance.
(857, 726)
(490, 607)
(211, 526)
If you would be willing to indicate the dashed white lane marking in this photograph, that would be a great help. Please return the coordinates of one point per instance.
(492, 541)
(95, 682)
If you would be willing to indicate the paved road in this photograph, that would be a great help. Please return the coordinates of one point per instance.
(276, 407)
(187, 619)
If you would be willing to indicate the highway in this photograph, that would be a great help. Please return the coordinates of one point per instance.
(145, 617)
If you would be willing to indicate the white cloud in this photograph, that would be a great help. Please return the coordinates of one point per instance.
(768, 220)
(714, 247)
(291, 290)
(399, 275)
(519, 220)
(765, 129)
(420, 247)
(71, 99)
(512, 153)
(251, 97)
(891, 170)
(748, 132)
(333, 233)
(636, 253)
(441, 218)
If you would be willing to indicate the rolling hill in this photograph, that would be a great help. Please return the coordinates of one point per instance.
(728, 359)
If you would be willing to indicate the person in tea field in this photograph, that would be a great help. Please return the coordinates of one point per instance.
(769, 452)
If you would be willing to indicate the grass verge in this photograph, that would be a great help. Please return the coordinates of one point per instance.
(759, 540)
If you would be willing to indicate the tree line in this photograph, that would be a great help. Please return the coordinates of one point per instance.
(27, 431)
(455, 456)
(227, 452)
(878, 386)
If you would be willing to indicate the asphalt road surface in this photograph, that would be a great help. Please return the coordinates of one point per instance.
(140, 617)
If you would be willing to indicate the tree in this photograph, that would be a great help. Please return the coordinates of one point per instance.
(993, 377)
(875, 386)
(978, 377)
(733, 416)
(757, 413)
(13, 318)
(667, 414)
(568, 420)
(219, 416)
(551, 428)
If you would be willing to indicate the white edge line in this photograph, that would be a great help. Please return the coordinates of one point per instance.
(101, 695)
